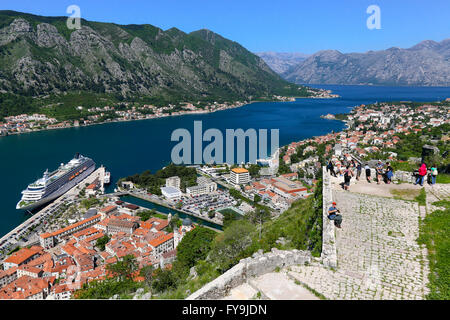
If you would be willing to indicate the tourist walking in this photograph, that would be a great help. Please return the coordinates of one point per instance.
(332, 215)
(422, 174)
(347, 177)
(330, 167)
(389, 173)
(434, 173)
(333, 172)
(379, 169)
(367, 168)
(358, 171)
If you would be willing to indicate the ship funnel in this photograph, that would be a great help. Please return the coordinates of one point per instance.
(77, 155)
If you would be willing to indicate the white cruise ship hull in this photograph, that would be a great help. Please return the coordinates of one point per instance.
(62, 190)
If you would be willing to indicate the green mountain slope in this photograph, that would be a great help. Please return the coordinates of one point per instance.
(41, 56)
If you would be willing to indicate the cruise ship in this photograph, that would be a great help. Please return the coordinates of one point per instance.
(56, 183)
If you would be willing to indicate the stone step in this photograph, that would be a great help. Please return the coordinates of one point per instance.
(242, 292)
(278, 286)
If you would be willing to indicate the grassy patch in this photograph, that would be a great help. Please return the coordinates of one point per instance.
(300, 225)
(442, 203)
(434, 233)
(422, 197)
(403, 166)
(443, 178)
(395, 234)
(405, 194)
(317, 294)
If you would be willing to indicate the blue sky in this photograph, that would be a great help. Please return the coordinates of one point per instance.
(285, 26)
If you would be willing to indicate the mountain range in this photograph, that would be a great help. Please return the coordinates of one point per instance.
(41, 56)
(280, 62)
(425, 64)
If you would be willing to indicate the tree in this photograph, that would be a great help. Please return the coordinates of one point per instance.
(163, 280)
(235, 193)
(253, 169)
(257, 216)
(283, 167)
(228, 217)
(101, 242)
(124, 268)
(175, 222)
(147, 273)
(194, 246)
(228, 247)
(145, 215)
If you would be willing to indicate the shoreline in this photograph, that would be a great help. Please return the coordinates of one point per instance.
(32, 217)
(165, 116)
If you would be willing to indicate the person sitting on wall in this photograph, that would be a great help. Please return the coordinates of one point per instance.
(332, 215)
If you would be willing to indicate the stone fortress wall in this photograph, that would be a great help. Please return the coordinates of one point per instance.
(248, 268)
(329, 255)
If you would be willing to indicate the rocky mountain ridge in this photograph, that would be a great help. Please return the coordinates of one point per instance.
(280, 62)
(425, 64)
(40, 55)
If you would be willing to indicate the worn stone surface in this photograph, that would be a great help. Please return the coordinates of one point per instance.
(277, 286)
(435, 193)
(377, 253)
(243, 292)
(250, 268)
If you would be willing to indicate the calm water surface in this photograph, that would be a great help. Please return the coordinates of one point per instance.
(131, 147)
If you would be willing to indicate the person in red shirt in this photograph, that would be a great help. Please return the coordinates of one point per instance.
(422, 174)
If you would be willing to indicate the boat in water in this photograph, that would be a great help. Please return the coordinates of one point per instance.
(56, 183)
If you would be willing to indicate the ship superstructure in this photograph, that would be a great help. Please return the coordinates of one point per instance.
(56, 183)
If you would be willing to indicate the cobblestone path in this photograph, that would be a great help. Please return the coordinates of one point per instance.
(377, 253)
(378, 256)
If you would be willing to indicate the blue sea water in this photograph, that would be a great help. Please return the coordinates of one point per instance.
(131, 147)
